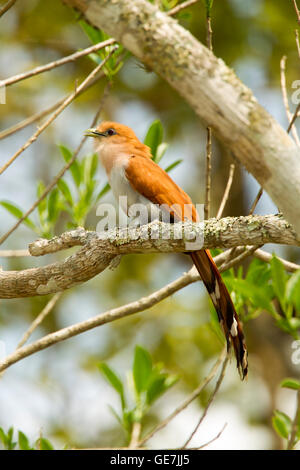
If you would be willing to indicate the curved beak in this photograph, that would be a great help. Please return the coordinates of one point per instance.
(93, 133)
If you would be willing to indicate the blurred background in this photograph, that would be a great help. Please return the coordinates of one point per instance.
(60, 391)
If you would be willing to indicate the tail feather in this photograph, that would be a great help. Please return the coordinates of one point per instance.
(224, 307)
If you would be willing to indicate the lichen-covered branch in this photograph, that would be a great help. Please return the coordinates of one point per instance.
(212, 89)
(98, 250)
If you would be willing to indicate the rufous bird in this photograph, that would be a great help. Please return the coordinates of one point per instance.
(132, 173)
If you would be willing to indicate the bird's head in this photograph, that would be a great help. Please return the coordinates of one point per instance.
(112, 132)
(112, 135)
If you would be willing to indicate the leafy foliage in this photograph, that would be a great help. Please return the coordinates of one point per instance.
(74, 199)
(282, 423)
(267, 287)
(7, 440)
(114, 63)
(147, 383)
(154, 140)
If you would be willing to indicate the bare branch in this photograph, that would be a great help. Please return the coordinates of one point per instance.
(129, 309)
(265, 256)
(295, 116)
(99, 249)
(211, 440)
(107, 317)
(297, 11)
(226, 192)
(181, 7)
(255, 202)
(7, 6)
(211, 399)
(39, 319)
(13, 253)
(208, 135)
(41, 114)
(285, 98)
(297, 42)
(56, 63)
(208, 175)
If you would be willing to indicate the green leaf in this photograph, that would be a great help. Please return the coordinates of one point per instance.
(293, 289)
(23, 441)
(42, 207)
(279, 278)
(173, 165)
(53, 208)
(161, 150)
(74, 168)
(154, 137)
(94, 165)
(18, 213)
(115, 415)
(291, 383)
(114, 380)
(65, 190)
(103, 191)
(260, 296)
(282, 424)
(89, 167)
(45, 444)
(142, 369)
(7, 439)
(94, 35)
(12, 208)
(208, 4)
(258, 272)
(159, 385)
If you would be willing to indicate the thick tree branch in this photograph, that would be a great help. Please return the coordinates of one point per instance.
(212, 89)
(99, 249)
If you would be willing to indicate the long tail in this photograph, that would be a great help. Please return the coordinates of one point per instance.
(223, 304)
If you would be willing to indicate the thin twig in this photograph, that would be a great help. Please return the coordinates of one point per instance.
(181, 7)
(265, 256)
(31, 119)
(295, 115)
(297, 11)
(187, 401)
(226, 192)
(209, 135)
(37, 116)
(211, 440)
(69, 100)
(255, 202)
(285, 98)
(13, 253)
(135, 435)
(238, 257)
(208, 175)
(57, 63)
(211, 399)
(295, 424)
(297, 42)
(59, 175)
(7, 6)
(39, 319)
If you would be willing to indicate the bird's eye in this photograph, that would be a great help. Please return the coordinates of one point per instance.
(110, 132)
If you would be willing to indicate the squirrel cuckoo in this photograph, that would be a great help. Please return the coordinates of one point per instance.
(132, 173)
